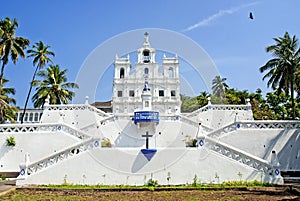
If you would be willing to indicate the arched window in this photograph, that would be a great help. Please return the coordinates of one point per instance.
(146, 56)
(146, 71)
(171, 72)
(122, 72)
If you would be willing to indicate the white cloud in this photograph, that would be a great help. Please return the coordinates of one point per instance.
(216, 16)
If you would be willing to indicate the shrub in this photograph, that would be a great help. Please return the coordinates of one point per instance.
(106, 142)
(10, 141)
(3, 177)
(152, 183)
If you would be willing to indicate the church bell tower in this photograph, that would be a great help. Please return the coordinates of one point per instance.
(146, 54)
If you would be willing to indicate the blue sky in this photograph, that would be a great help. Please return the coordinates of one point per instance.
(74, 28)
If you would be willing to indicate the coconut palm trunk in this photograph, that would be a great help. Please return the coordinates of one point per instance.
(28, 95)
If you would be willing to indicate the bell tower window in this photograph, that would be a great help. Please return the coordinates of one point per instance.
(146, 71)
(122, 72)
(171, 73)
(146, 56)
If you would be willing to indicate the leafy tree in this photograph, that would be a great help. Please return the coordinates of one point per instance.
(236, 97)
(282, 67)
(40, 52)
(7, 110)
(11, 46)
(53, 84)
(203, 98)
(189, 104)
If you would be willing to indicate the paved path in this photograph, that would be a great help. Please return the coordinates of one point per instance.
(6, 188)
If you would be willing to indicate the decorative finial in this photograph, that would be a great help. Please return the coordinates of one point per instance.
(86, 100)
(47, 101)
(209, 103)
(146, 40)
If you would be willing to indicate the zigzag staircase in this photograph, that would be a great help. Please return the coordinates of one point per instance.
(212, 142)
(85, 143)
(62, 155)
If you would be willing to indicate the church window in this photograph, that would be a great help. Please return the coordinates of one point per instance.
(147, 104)
(146, 70)
(120, 93)
(161, 93)
(131, 93)
(146, 56)
(122, 72)
(173, 93)
(171, 73)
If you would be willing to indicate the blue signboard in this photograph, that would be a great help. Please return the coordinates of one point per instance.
(146, 116)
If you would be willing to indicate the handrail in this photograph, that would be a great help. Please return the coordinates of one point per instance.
(239, 155)
(256, 124)
(194, 123)
(268, 124)
(95, 123)
(43, 127)
(77, 107)
(226, 129)
(63, 154)
(218, 107)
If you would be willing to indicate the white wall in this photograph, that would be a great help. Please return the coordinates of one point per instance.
(129, 166)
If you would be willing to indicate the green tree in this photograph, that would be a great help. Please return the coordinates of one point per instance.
(7, 110)
(282, 67)
(236, 97)
(11, 46)
(189, 104)
(54, 85)
(219, 86)
(40, 53)
(203, 98)
(260, 108)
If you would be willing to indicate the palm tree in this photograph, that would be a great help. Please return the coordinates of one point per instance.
(54, 85)
(7, 111)
(11, 46)
(203, 98)
(219, 86)
(282, 67)
(40, 53)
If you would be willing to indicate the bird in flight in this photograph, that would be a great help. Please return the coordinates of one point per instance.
(251, 16)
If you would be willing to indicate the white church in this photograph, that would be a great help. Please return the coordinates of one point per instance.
(145, 136)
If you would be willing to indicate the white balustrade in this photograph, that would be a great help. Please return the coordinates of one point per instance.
(42, 128)
(269, 124)
(77, 107)
(239, 155)
(256, 124)
(62, 155)
(219, 107)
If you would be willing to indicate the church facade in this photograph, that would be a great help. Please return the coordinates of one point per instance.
(163, 81)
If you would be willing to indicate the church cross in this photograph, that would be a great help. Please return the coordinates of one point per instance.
(147, 139)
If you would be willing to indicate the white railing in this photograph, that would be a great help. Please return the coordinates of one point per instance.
(239, 156)
(268, 124)
(77, 107)
(42, 128)
(62, 155)
(256, 124)
(226, 129)
(219, 107)
(194, 123)
(101, 122)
